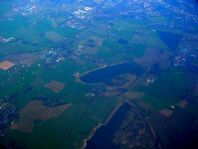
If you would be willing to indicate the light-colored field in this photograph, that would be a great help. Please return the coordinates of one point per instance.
(131, 79)
(55, 86)
(53, 36)
(111, 91)
(35, 110)
(91, 50)
(153, 56)
(182, 103)
(133, 95)
(52, 112)
(29, 114)
(5, 65)
(165, 112)
(26, 58)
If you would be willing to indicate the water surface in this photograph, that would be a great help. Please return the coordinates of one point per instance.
(109, 72)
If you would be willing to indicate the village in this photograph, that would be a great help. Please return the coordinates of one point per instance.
(46, 48)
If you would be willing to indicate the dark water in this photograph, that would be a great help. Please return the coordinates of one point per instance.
(122, 41)
(103, 138)
(192, 64)
(187, 141)
(108, 73)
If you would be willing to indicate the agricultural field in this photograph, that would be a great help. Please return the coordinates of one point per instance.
(98, 74)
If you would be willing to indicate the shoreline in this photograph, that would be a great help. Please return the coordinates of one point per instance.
(110, 116)
(91, 135)
(77, 78)
(117, 107)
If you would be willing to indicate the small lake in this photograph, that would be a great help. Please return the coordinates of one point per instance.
(107, 73)
(103, 137)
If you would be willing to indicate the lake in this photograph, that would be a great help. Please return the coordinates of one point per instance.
(103, 138)
(107, 73)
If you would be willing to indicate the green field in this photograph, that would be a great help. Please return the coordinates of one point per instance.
(61, 42)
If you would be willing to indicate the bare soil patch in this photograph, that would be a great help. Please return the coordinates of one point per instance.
(52, 112)
(182, 103)
(111, 91)
(53, 36)
(55, 86)
(5, 65)
(29, 114)
(26, 58)
(154, 56)
(133, 95)
(165, 112)
(35, 110)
